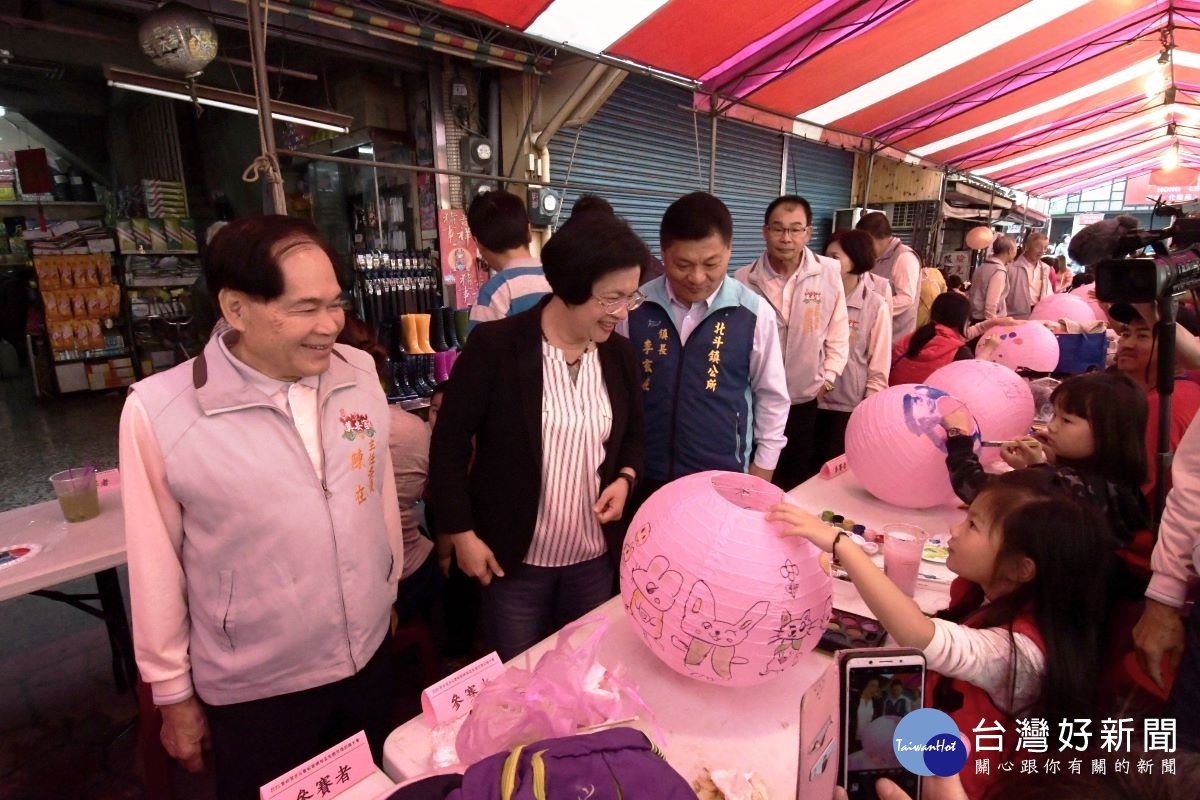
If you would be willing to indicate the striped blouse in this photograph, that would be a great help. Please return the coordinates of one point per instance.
(576, 422)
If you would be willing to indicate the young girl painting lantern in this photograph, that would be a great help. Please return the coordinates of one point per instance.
(712, 588)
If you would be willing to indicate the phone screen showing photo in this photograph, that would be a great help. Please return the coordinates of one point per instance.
(877, 697)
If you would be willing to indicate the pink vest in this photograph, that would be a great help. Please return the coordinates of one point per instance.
(287, 581)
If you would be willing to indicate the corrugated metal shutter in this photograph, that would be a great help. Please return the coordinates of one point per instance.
(643, 149)
(822, 176)
(749, 164)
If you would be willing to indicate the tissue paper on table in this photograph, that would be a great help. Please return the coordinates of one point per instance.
(566, 691)
(729, 784)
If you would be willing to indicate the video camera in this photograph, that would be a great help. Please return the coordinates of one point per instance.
(1145, 279)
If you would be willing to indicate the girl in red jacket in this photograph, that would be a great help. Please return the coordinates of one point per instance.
(1022, 637)
(936, 343)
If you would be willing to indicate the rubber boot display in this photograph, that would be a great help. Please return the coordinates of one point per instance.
(448, 328)
(416, 376)
(398, 388)
(423, 334)
(441, 366)
(437, 332)
(461, 317)
(408, 324)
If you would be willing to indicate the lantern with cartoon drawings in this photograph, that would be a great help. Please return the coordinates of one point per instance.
(896, 445)
(998, 398)
(713, 589)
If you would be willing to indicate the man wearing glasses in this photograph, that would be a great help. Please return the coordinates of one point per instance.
(712, 379)
(809, 300)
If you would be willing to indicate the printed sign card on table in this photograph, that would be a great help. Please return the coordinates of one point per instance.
(324, 776)
(453, 697)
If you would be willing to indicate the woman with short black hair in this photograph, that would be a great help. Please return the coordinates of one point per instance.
(552, 402)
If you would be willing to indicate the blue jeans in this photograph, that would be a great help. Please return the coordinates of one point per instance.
(1185, 692)
(529, 603)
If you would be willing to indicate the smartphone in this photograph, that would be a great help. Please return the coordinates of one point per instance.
(878, 687)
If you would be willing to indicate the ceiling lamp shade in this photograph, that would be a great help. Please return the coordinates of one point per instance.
(178, 38)
(980, 237)
(1179, 176)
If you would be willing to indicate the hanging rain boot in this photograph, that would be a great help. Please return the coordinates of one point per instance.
(461, 317)
(453, 357)
(437, 333)
(423, 334)
(448, 330)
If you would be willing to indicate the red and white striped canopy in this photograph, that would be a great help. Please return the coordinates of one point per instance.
(1045, 96)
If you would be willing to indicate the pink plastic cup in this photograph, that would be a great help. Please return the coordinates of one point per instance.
(902, 546)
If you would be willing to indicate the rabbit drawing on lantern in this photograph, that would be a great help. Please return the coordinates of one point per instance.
(657, 587)
(712, 636)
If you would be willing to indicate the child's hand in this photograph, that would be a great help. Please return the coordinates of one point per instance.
(1021, 453)
(802, 523)
(959, 419)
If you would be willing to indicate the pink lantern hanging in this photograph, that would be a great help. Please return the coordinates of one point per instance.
(1030, 345)
(998, 398)
(980, 237)
(713, 589)
(896, 445)
(1065, 306)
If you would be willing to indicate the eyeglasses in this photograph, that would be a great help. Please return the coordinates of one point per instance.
(796, 231)
(612, 305)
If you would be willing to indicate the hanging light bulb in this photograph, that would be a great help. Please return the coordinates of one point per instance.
(1170, 156)
(1156, 80)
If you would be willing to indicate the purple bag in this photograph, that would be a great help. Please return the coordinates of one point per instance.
(606, 765)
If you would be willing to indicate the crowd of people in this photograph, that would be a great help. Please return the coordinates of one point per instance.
(272, 495)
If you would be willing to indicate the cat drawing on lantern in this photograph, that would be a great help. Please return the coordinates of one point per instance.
(789, 637)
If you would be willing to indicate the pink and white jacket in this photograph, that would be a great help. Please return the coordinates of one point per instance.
(1177, 553)
(252, 573)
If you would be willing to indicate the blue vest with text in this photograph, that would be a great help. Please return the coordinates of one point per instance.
(697, 400)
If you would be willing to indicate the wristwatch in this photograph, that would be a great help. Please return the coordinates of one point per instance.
(955, 432)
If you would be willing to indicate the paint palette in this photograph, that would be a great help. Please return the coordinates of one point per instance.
(846, 630)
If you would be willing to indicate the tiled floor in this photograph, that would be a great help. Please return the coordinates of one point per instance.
(65, 732)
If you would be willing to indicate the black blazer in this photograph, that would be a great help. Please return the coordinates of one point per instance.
(494, 401)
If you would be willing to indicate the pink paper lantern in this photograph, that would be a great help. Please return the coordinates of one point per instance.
(1064, 306)
(896, 445)
(713, 589)
(1030, 345)
(998, 398)
(1087, 293)
(980, 237)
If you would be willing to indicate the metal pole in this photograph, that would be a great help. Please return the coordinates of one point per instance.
(272, 190)
(870, 171)
(712, 154)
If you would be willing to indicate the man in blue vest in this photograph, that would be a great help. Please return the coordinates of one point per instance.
(713, 384)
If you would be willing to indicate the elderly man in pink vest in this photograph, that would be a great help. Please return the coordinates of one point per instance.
(896, 263)
(261, 520)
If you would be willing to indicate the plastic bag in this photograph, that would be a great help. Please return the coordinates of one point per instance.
(566, 691)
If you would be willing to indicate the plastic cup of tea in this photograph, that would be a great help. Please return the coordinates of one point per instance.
(902, 546)
(76, 490)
